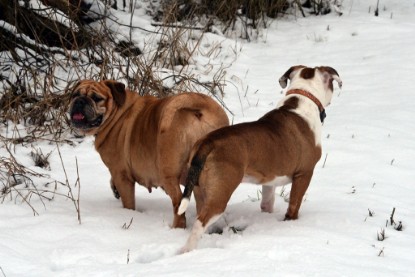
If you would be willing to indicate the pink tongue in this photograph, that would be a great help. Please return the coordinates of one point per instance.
(78, 116)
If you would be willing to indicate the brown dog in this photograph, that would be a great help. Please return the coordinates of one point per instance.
(143, 139)
(281, 147)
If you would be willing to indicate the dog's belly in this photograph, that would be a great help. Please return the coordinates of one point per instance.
(277, 181)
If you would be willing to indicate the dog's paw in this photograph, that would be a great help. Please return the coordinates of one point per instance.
(115, 192)
(290, 217)
(184, 250)
(179, 221)
(267, 207)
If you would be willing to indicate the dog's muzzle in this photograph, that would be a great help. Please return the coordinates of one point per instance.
(83, 114)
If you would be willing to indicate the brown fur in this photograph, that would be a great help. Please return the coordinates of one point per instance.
(148, 140)
(262, 149)
(287, 74)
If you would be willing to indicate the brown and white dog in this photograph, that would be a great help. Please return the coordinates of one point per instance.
(143, 139)
(281, 147)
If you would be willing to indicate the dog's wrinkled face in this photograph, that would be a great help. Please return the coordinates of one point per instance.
(318, 79)
(92, 102)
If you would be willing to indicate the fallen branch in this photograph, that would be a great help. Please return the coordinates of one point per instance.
(205, 28)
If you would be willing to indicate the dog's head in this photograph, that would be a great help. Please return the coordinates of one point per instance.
(92, 103)
(317, 80)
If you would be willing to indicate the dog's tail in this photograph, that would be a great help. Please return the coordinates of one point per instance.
(192, 179)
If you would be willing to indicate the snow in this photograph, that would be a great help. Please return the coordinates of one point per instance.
(367, 164)
(46, 12)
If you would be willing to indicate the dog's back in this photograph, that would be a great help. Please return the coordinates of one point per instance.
(187, 118)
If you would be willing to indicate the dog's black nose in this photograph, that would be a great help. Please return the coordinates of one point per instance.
(80, 102)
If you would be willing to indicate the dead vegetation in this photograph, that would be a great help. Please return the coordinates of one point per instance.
(49, 52)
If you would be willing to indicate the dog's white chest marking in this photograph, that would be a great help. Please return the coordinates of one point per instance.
(309, 112)
(277, 181)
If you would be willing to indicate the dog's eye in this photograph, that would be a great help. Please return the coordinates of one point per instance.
(96, 98)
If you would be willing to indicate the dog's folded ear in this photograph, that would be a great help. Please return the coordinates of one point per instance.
(331, 74)
(117, 90)
(288, 75)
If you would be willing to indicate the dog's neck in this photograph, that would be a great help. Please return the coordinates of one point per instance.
(312, 98)
(114, 118)
(308, 110)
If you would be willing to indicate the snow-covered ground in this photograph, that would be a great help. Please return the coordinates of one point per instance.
(368, 163)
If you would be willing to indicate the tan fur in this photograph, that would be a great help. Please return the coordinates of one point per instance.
(148, 140)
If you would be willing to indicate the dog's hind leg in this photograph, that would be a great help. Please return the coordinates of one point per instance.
(198, 230)
(199, 198)
(208, 214)
(217, 181)
(214, 198)
(125, 189)
(114, 190)
(172, 188)
(299, 186)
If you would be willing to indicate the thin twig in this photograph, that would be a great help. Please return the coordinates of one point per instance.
(325, 159)
(27, 202)
(78, 182)
(70, 196)
(381, 253)
(381, 235)
(391, 217)
(125, 226)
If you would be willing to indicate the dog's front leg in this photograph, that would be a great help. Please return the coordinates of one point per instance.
(124, 188)
(299, 186)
